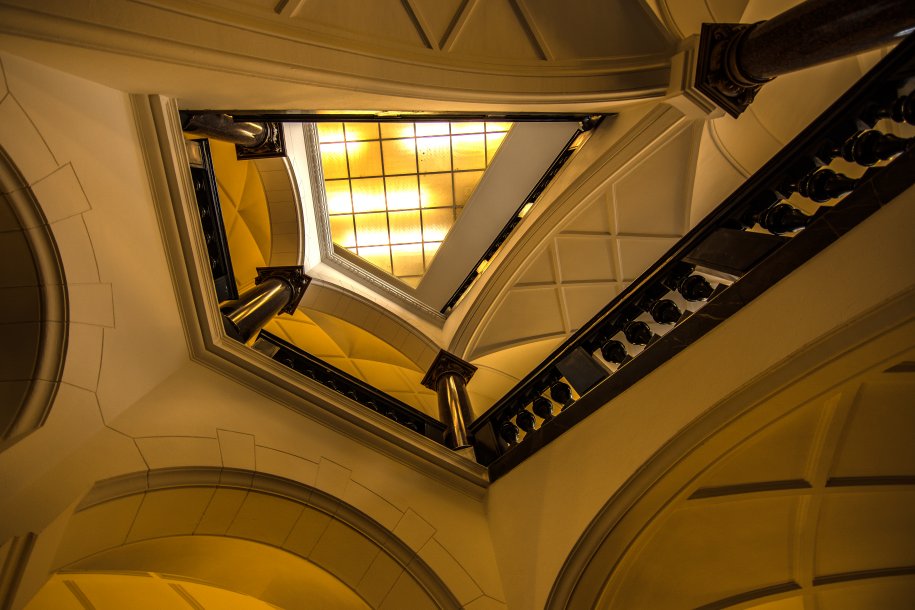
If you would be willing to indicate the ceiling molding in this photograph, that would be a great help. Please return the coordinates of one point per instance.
(243, 42)
(160, 131)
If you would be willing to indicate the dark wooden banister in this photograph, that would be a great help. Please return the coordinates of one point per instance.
(799, 167)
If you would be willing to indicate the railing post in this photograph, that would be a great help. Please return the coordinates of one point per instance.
(448, 376)
(736, 59)
(276, 290)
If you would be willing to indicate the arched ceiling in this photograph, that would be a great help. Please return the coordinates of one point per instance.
(356, 338)
(812, 511)
(146, 591)
(210, 571)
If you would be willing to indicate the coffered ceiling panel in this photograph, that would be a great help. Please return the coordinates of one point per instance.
(622, 229)
(775, 526)
(652, 198)
(878, 440)
(591, 36)
(595, 218)
(775, 454)
(437, 17)
(528, 311)
(495, 28)
(887, 592)
(722, 550)
(387, 20)
(541, 270)
(638, 253)
(585, 257)
(860, 532)
(582, 300)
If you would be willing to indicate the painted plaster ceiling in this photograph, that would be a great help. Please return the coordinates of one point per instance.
(588, 259)
(358, 352)
(341, 343)
(813, 511)
(497, 30)
(99, 591)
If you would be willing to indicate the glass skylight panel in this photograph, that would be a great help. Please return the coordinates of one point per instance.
(394, 190)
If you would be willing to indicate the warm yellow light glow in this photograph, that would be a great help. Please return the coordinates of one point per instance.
(394, 190)
(402, 192)
(527, 208)
(339, 200)
(368, 195)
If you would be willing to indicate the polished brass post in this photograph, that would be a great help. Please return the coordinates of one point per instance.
(448, 376)
(276, 290)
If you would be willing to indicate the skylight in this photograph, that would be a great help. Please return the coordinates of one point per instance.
(394, 190)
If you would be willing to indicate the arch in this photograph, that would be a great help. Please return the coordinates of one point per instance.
(151, 522)
(801, 489)
(34, 310)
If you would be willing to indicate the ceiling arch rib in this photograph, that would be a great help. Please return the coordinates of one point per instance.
(270, 538)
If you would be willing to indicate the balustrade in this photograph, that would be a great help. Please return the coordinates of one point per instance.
(796, 199)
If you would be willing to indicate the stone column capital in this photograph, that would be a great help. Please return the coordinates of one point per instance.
(718, 75)
(292, 275)
(446, 363)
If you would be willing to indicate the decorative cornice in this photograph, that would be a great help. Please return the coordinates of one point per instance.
(294, 276)
(444, 364)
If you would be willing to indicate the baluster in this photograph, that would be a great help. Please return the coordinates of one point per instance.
(824, 184)
(665, 311)
(901, 110)
(869, 147)
(561, 393)
(638, 333)
(783, 218)
(695, 288)
(542, 408)
(614, 351)
(525, 420)
(509, 432)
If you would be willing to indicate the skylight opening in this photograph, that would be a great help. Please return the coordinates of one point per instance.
(394, 190)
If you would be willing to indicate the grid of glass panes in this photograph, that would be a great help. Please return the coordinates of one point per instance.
(395, 189)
